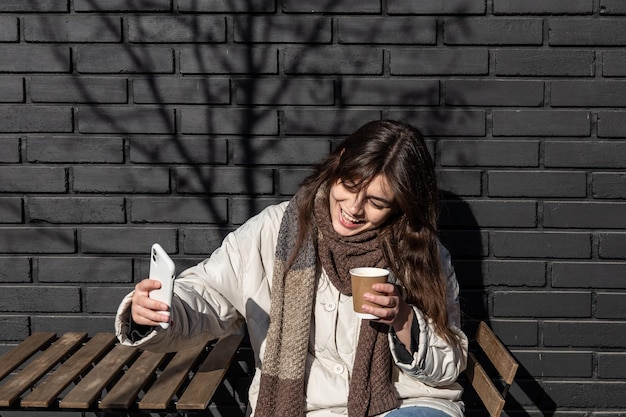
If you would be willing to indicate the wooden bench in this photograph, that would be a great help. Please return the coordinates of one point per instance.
(73, 372)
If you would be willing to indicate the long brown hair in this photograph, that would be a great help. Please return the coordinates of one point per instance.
(408, 239)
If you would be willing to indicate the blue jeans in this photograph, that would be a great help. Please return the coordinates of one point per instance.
(417, 412)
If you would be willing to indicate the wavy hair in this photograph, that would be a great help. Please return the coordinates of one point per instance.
(409, 237)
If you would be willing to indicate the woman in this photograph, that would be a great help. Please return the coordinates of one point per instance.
(371, 202)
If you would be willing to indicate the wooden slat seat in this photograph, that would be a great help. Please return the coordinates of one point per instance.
(110, 376)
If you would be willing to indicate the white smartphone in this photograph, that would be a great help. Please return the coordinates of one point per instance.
(162, 269)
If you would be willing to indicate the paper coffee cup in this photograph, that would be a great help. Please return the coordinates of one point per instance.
(362, 281)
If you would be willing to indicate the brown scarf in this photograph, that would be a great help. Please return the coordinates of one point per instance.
(283, 372)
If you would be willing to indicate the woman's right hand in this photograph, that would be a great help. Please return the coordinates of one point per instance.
(145, 310)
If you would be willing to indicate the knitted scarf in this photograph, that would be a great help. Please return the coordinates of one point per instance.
(282, 386)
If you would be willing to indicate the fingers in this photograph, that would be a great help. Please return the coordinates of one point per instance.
(388, 302)
(145, 310)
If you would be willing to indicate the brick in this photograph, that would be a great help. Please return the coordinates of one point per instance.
(127, 240)
(474, 303)
(483, 213)
(37, 240)
(78, 90)
(84, 269)
(612, 7)
(541, 123)
(584, 334)
(282, 29)
(34, 119)
(70, 149)
(122, 6)
(613, 63)
(584, 215)
(586, 31)
(53, 28)
(176, 150)
(204, 240)
(460, 182)
(14, 328)
(438, 61)
(540, 244)
(562, 364)
(468, 153)
(178, 210)
(492, 31)
(466, 243)
(228, 121)
(15, 269)
(296, 92)
(611, 124)
(35, 58)
(289, 180)
(509, 273)
(387, 30)
(444, 122)
(34, 6)
(27, 179)
(612, 245)
(229, 59)
(40, 299)
(11, 210)
(544, 62)
(224, 180)
(394, 92)
(436, 7)
(192, 90)
(103, 299)
(494, 93)
(125, 120)
(12, 90)
(334, 60)
(579, 154)
(124, 59)
(588, 275)
(9, 149)
(541, 304)
(227, 6)
(60, 210)
(537, 184)
(278, 151)
(88, 179)
(8, 29)
(337, 6)
(88, 323)
(516, 332)
(556, 7)
(242, 209)
(326, 122)
(611, 306)
(176, 29)
(611, 365)
(586, 393)
(587, 93)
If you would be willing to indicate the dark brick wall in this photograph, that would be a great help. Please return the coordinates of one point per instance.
(125, 122)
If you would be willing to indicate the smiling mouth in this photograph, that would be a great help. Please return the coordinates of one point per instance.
(348, 218)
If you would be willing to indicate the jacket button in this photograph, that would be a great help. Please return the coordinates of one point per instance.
(329, 306)
(339, 369)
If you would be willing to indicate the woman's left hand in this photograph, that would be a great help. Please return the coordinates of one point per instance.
(392, 310)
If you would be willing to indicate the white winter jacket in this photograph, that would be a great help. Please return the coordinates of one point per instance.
(234, 285)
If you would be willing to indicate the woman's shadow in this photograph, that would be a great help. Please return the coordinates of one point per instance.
(469, 247)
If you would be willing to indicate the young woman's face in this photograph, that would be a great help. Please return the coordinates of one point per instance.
(353, 211)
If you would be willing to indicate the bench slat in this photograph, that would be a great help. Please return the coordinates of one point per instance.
(210, 374)
(497, 353)
(125, 391)
(484, 387)
(168, 383)
(15, 386)
(91, 386)
(19, 354)
(47, 392)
